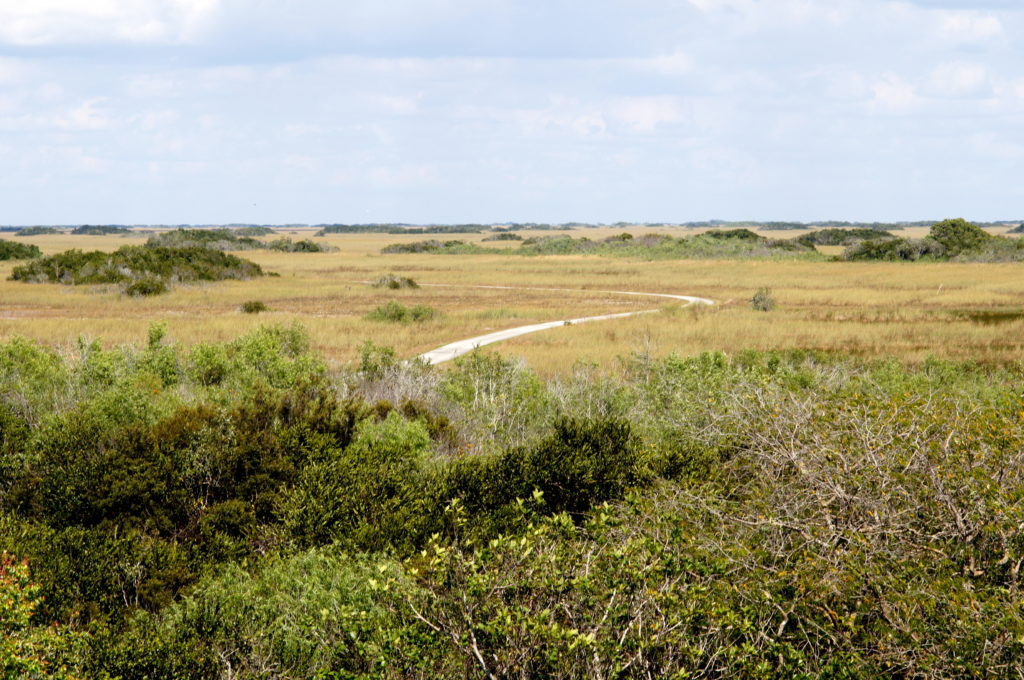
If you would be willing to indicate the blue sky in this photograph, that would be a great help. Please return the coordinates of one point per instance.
(270, 111)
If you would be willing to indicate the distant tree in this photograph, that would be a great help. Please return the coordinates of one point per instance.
(958, 235)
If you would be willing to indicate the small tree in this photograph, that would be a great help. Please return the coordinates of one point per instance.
(958, 235)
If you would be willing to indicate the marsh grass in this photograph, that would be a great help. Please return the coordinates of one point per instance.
(909, 311)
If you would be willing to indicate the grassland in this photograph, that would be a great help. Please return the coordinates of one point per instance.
(906, 310)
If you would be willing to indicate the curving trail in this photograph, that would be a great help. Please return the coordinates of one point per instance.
(460, 347)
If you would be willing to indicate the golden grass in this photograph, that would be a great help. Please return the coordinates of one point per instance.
(908, 311)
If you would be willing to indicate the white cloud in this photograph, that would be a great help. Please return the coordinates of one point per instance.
(958, 79)
(13, 70)
(674, 64)
(892, 94)
(645, 114)
(989, 145)
(47, 22)
(968, 26)
(562, 115)
(86, 116)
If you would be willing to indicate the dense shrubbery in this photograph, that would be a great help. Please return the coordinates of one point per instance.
(434, 246)
(401, 229)
(10, 250)
(953, 239)
(254, 231)
(842, 237)
(231, 239)
(142, 270)
(100, 230)
(305, 246)
(217, 239)
(732, 243)
(503, 236)
(238, 511)
(37, 231)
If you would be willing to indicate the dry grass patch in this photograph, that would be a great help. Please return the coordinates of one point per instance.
(905, 310)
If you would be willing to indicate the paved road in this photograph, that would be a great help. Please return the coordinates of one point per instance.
(455, 349)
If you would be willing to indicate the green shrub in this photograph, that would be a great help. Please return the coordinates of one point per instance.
(10, 250)
(254, 231)
(958, 235)
(394, 282)
(149, 285)
(371, 495)
(503, 236)
(317, 614)
(99, 230)
(396, 312)
(37, 231)
(580, 464)
(306, 246)
(217, 239)
(895, 250)
(253, 307)
(842, 237)
(141, 268)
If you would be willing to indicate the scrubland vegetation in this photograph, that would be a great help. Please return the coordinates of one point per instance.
(232, 239)
(953, 239)
(241, 510)
(821, 476)
(141, 270)
(10, 250)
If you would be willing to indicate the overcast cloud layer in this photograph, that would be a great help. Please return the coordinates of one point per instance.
(202, 111)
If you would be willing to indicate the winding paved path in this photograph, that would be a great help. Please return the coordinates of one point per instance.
(460, 347)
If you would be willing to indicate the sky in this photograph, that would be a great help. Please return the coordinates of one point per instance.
(445, 111)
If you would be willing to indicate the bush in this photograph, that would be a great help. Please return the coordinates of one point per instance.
(37, 231)
(149, 285)
(253, 307)
(896, 250)
(394, 282)
(217, 239)
(842, 237)
(503, 236)
(147, 266)
(306, 246)
(396, 312)
(99, 230)
(10, 250)
(958, 235)
(763, 300)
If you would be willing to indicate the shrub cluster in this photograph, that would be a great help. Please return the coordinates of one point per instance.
(217, 239)
(952, 239)
(503, 236)
(237, 511)
(394, 282)
(711, 244)
(142, 270)
(435, 247)
(99, 230)
(305, 246)
(11, 250)
(37, 231)
(842, 237)
(253, 307)
(396, 312)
